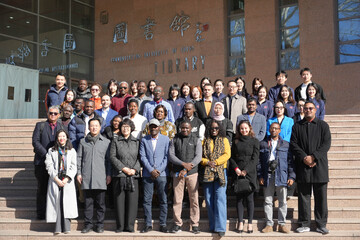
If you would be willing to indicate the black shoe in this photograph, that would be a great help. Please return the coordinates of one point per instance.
(118, 230)
(250, 231)
(195, 230)
(86, 229)
(99, 229)
(322, 230)
(176, 229)
(40, 217)
(221, 234)
(163, 229)
(146, 229)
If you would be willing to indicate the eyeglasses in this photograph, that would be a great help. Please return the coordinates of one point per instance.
(95, 89)
(53, 113)
(279, 108)
(214, 128)
(308, 108)
(122, 87)
(125, 126)
(157, 91)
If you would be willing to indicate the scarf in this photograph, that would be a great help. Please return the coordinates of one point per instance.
(92, 139)
(62, 161)
(220, 117)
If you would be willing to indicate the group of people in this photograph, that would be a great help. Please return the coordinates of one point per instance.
(117, 143)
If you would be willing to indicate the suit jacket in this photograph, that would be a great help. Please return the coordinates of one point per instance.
(43, 139)
(311, 138)
(238, 107)
(201, 110)
(111, 114)
(258, 124)
(157, 159)
(298, 93)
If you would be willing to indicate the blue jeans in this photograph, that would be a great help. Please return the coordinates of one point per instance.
(215, 197)
(148, 195)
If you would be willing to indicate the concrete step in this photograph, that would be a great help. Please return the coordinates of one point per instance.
(16, 172)
(18, 181)
(345, 141)
(29, 121)
(334, 224)
(341, 117)
(11, 191)
(17, 127)
(14, 145)
(345, 134)
(111, 235)
(344, 190)
(15, 139)
(344, 180)
(7, 133)
(344, 147)
(17, 152)
(344, 170)
(339, 161)
(343, 154)
(342, 123)
(334, 212)
(17, 162)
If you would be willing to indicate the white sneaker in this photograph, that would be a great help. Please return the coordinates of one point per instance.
(302, 229)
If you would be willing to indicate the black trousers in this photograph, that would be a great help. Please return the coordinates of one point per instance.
(304, 203)
(126, 204)
(42, 178)
(94, 197)
(240, 202)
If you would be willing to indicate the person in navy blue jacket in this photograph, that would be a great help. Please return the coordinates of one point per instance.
(154, 151)
(281, 78)
(106, 112)
(275, 173)
(79, 127)
(56, 94)
(313, 95)
(43, 139)
(286, 95)
(175, 101)
(264, 105)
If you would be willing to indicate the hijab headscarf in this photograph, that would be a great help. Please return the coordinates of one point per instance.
(221, 116)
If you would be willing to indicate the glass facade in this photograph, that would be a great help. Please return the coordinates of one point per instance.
(289, 35)
(236, 38)
(348, 31)
(51, 36)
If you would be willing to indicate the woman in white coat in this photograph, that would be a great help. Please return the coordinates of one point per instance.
(61, 204)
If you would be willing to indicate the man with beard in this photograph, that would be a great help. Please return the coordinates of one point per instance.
(106, 112)
(154, 150)
(197, 126)
(158, 100)
(79, 125)
(83, 91)
(141, 97)
(257, 120)
(310, 143)
(67, 112)
(119, 102)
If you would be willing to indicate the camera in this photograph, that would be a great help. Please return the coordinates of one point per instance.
(62, 175)
(273, 165)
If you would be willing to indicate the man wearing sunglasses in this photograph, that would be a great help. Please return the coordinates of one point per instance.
(44, 138)
(119, 102)
(310, 143)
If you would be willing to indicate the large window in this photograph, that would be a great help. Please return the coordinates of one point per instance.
(51, 36)
(349, 31)
(236, 38)
(289, 35)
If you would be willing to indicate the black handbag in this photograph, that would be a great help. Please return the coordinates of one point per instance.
(242, 185)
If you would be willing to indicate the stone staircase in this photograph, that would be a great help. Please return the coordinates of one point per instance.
(18, 191)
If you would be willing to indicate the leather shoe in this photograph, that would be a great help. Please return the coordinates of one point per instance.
(146, 229)
(163, 229)
(86, 229)
(99, 229)
(118, 230)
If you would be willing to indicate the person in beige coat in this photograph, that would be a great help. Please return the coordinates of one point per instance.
(61, 204)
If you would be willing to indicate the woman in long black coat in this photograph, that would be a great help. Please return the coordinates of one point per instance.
(243, 162)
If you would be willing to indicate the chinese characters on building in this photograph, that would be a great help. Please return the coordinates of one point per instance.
(147, 28)
(69, 42)
(180, 23)
(120, 33)
(22, 52)
(45, 47)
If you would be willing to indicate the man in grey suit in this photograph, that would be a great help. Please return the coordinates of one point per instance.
(154, 150)
(94, 174)
(257, 120)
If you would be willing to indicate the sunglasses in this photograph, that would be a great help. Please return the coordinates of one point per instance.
(122, 87)
(53, 113)
(308, 108)
(95, 90)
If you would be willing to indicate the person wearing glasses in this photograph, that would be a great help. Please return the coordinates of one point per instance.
(280, 117)
(119, 102)
(43, 139)
(216, 153)
(310, 143)
(158, 100)
(95, 95)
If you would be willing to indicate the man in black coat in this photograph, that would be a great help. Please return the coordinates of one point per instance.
(44, 138)
(310, 143)
(205, 107)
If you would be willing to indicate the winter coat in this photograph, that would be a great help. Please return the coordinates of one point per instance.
(69, 194)
(93, 163)
(54, 97)
(285, 167)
